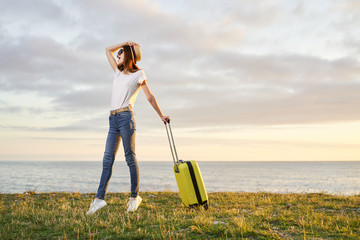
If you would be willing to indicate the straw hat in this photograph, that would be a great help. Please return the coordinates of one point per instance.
(135, 51)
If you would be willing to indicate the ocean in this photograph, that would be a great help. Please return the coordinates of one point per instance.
(340, 178)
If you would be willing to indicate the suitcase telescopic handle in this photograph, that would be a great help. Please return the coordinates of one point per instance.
(172, 143)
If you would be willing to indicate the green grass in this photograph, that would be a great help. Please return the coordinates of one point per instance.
(162, 216)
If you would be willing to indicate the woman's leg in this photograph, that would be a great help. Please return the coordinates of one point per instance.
(112, 144)
(128, 132)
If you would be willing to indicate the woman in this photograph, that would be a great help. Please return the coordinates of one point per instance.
(128, 80)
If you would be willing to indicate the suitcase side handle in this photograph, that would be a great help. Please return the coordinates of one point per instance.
(172, 145)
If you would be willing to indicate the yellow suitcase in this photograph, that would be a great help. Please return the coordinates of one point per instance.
(188, 178)
(190, 183)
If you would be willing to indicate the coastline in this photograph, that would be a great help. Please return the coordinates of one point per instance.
(276, 177)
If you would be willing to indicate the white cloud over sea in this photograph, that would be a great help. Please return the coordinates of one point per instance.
(211, 64)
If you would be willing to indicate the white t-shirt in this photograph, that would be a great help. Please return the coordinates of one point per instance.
(126, 88)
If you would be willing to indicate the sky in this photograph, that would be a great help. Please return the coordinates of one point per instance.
(242, 80)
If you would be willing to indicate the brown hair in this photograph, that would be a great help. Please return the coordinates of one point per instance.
(128, 65)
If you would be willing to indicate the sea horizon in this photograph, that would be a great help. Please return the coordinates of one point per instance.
(334, 177)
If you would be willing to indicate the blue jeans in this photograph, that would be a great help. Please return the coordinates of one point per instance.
(121, 126)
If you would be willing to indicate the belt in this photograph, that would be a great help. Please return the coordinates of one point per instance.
(123, 109)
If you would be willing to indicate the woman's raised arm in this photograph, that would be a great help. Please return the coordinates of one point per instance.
(109, 53)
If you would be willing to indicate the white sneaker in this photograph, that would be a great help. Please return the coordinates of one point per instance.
(134, 203)
(96, 205)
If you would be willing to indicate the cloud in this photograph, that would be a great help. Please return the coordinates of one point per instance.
(86, 100)
(276, 90)
(36, 17)
(347, 19)
(196, 58)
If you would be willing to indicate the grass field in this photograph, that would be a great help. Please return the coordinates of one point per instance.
(162, 216)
